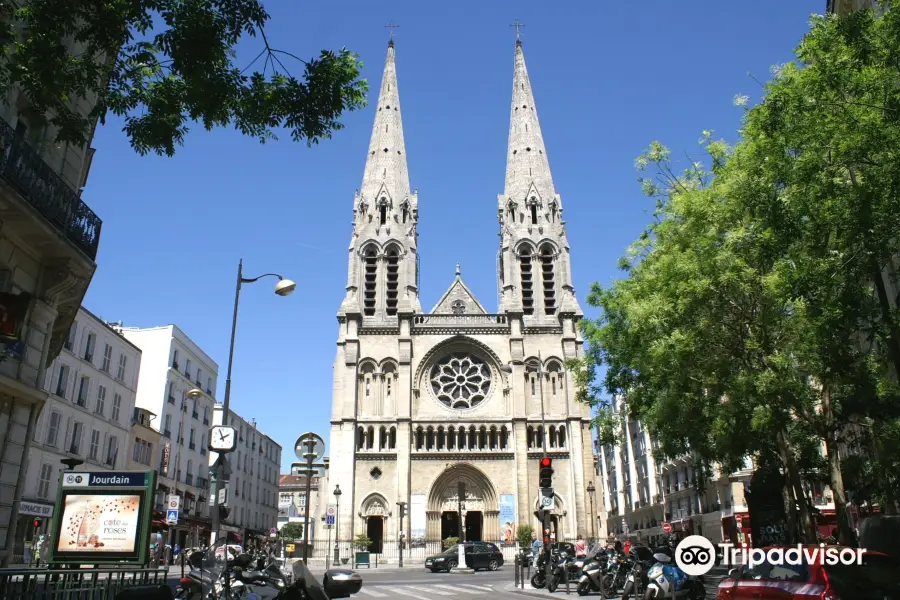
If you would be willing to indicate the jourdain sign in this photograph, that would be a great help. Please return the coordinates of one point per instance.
(103, 517)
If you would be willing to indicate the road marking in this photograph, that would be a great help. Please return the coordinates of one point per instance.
(459, 588)
(429, 590)
(405, 593)
(372, 593)
(479, 587)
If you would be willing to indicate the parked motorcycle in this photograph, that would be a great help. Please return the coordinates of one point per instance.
(664, 577)
(636, 580)
(567, 568)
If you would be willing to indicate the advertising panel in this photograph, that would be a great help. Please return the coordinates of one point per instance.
(103, 518)
(508, 519)
(417, 520)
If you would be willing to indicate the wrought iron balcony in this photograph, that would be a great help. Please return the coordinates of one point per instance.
(42, 187)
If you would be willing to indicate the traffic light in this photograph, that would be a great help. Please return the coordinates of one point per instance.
(539, 513)
(37, 523)
(224, 511)
(546, 473)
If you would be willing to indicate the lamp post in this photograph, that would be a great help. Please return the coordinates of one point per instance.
(590, 490)
(283, 287)
(337, 526)
(402, 507)
(328, 533)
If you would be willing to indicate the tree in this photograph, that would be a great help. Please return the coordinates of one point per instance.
(162, 64)
(292, 531)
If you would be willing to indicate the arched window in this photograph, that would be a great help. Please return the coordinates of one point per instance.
(370, 438)
(530, 436)
(527, 277)
(562, 436)
(504, 438)
(554, 379)
(451, 438)
(382, 438)
(360, 438)
(392, 280)
(371, 281)
(392, 440)
(552, 432)
(548, 276)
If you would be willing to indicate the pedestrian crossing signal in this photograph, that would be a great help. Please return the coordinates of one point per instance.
(37, 522)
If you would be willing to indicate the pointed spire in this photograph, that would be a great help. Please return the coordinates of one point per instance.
(526, 158)
(386, 162)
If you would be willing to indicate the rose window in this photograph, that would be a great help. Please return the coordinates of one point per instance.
(460, 380)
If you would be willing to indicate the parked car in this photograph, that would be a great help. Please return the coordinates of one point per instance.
(875, 578)
(479, 555)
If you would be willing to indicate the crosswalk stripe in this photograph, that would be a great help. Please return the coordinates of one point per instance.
(400, 590)
(372, 593)
(459, 588)
(430, 590)
(479, 587)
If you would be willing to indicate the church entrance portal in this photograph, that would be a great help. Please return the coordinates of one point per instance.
(449, 525)
(474, 522)
(375, 532)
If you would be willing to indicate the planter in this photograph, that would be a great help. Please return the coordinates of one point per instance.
(361, 557)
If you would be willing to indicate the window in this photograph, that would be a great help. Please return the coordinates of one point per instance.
(70, 341)
(89, 347)
(206, 415)
(53, 428)
(547, 275)
(382, 212)
(101, 400)
(62, 381)
(95, 444)
(191, 440)
(107, 358)
(209, 385)
(117, 407)
(167, 430)
(181, 433)
(370, 283)
(175, 359)
(83, 388)
(301, 500)
(187, 368)
(112, 451)
(123, 361)
(77, 430)
(199, 371)
(43, 490)
(171, 392)
(527, 278)
(534, 214)
(392, 281)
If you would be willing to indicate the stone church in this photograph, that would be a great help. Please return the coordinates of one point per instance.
(428, 405)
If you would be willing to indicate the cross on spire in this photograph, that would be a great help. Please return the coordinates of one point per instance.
(391, 26)
(518, 25)
(457, 269)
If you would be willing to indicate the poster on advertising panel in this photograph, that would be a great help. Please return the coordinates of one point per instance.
(508, 519)
(103, 517)
(417, 520)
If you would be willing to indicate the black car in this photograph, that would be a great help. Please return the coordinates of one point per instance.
(479, 555)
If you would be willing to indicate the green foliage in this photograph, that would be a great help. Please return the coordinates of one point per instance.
(362, 542)
(747, 313)
(292, 531)
(523, 536)
(163, 64)
(450, 542)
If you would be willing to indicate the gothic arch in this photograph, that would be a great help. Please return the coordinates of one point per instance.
(553, 360)
(523, 244)
(480, 492)
(366, 246)
(460, 342)
(388, 365)
(396, 245)
(374, 505)
(547, 242)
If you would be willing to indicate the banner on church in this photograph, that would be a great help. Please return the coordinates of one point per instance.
(417, 519)
(508, 518)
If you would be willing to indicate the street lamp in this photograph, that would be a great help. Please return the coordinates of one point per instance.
(283, 288)
(337, 526)
(590, 490)
(402, 507)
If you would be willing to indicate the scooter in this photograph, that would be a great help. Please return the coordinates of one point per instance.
(664, 577)
(592, 574)
(567, 568)
(636, 580)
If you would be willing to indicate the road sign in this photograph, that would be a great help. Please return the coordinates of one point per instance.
(667, 527)
(172, 516)
(273, 531)
(309, 445)
(174, 502)
(330, 515)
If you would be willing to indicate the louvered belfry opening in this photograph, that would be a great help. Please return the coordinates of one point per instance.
(527, 280)
(393, 279)
(548, 278)
(371, 282)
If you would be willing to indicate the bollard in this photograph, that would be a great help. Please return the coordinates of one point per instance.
(516, 569)
(566, 572)
(527, 574)
(376, 561)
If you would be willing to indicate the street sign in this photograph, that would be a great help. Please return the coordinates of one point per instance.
(330, 515)
(309, 445)
(273, 531)
(171, 516)
(667, 527)
(174, 502)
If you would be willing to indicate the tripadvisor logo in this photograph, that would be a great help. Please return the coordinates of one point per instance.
(696, 555)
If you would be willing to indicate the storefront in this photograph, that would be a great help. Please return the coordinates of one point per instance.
(34, 521)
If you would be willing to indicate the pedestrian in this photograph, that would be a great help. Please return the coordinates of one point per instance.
(580, 549)
(535, 544)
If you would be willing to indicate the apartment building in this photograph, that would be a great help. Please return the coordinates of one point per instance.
(91, 390)
(177, 383)
(253, 487)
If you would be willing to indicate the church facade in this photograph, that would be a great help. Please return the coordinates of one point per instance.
(449, 411)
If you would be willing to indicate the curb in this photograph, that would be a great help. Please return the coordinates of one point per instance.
(530, 591)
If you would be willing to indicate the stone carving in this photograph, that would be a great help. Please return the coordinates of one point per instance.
(375, 509)
(460, 380)
(458, 307)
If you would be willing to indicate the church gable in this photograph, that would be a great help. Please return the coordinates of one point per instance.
(458, 300)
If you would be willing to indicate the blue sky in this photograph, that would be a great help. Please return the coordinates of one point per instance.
(608, 77)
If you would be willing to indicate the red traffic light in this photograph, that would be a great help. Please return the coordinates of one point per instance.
(37, 522)
(546, 462)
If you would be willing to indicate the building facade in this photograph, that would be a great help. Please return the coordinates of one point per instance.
(425, 401)
(252, 495)
(91, 390)
(145, 443)
(172, 366)
(292, 501)
(48, 245)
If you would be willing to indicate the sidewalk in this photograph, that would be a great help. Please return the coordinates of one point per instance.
(716, 572)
